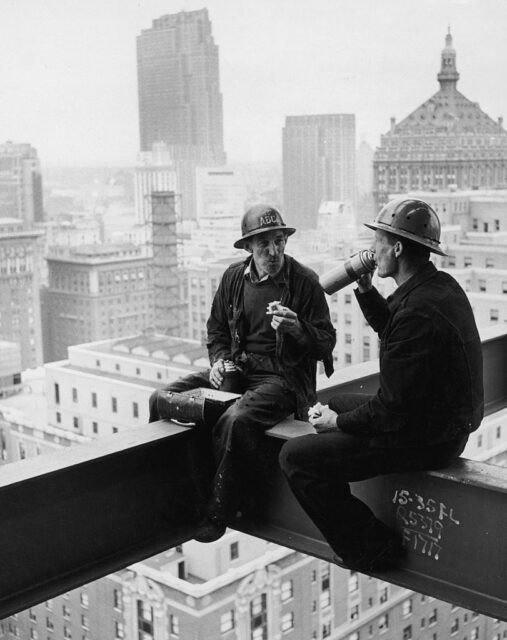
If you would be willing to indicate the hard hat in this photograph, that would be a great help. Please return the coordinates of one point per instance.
(412, 219)
(258, 219)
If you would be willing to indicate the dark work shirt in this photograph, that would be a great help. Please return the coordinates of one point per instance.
(260, 335)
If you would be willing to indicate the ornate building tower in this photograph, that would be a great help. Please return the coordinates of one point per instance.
(447, 142)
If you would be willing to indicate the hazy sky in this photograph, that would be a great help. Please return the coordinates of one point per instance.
(68, 80)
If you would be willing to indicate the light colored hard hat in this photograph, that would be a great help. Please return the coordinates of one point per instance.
(412, 219)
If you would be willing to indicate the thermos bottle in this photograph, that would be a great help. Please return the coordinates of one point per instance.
(348, 271)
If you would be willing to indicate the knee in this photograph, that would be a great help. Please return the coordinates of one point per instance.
(153, 406)
(291, 456)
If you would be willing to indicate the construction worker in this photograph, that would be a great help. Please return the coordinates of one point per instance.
(270, 321)
(429, 400)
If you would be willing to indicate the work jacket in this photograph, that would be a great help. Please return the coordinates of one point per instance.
(431, 388)
(297, 360)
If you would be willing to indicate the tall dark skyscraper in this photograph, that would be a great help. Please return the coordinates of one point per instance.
(180, 103)
(318, 164)
(179, 88)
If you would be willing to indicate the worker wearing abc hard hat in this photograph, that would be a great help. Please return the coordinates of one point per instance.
(269, 325)
(430, 396)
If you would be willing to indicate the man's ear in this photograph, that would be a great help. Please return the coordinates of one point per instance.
(398, 248)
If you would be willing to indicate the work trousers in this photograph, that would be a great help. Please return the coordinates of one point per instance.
(230, 446)
(319, 468)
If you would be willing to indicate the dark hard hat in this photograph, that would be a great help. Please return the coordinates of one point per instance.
(259, 219)
(412, 219)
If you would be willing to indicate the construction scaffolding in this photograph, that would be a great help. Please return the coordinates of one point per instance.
(166, 284)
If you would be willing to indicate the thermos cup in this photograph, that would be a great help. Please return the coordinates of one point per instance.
(348, 271)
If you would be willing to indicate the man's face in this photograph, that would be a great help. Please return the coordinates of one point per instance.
(267, 250)
(385, 254)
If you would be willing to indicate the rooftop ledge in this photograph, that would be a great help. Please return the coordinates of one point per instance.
(79, 514)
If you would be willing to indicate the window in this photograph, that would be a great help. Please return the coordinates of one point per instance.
(74, 394)
(354, 636)
(348, 338)
(475, 633)
(384, 595)
(325, 599)
(433, 617)
(499, 432)
(326, 630)
(58, 417)
(493, 315)
(234, 551)
(490, 263)
(258, 618)
(407, 633)
(31, 615)
(159, 375)
(85, 622)
(57, 393)
(287, 621)
(383, 622)
(67, 633)
(94, 399)
(84, 599)
(119, 631)
(353, 581)
(135, 410)
(97, 363)
(138, 371)
(34, 634)
(65, 611)
(49, 605)
(354, 612)
(174, 625)
(348, 318)
(287, 591)
(348, 298)
(407, 607)
(497, 224)
(482, 285)
(227, 621)
(114, 405)
(75, 422)
(144, 619)
(117, 367)
(348, 358)
(117, 599)
(479, 440)
(467, 261)
(95, 427)
(455, 626)
(115, 429)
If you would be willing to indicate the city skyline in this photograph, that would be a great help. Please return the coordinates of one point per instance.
(69, 84)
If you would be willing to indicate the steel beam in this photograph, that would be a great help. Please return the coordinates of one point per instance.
(79, 514)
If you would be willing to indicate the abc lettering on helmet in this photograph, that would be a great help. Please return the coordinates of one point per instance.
(412, 219)
(259, 219)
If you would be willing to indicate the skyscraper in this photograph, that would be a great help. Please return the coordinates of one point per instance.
(20, 183)
(180, 103)
(448, 141)
(318, 164)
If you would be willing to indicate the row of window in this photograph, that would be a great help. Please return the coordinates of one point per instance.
(94, 402)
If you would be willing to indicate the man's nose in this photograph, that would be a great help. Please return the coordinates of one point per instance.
(272, 248)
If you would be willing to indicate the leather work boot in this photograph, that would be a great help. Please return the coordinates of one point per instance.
(387, 554)
(209, 530)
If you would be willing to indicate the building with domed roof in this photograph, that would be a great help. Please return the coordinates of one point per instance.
(448, 142)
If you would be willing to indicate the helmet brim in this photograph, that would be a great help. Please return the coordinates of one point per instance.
(239, 244)
(425, 242)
